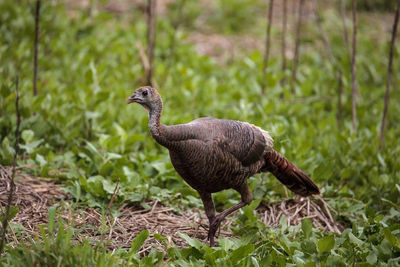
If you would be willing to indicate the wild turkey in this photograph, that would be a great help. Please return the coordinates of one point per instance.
(213, 154)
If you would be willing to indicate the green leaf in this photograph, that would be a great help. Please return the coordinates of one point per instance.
(52, 219)
(390, 237)
(192, 242)
(159, 237)
(310, 264)
(283, 223)
(27, 135)
(113, 156)
(242, 252)
(41, 160)
(306, 226)
(139, 240)
(381, 160)
(398, 187)
(108, 186)
(92, 148)
(95, 185)
(12, 213)
(355, 240)
(30, 147)
(371, 258)
(254, 262)
(346, 173)
(326, 244)
(107, 168)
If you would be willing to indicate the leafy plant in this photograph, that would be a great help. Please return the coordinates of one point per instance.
(79, 130)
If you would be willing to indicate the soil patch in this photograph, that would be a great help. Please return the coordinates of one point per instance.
(35, 195)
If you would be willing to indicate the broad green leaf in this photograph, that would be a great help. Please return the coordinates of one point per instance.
(371, 258)
(214, 255)
(107, 168)
(138, 241)
(108, 186)
(355, 240)
(27, 136)
(326, 244)
(30, 147)
(92, 148)
(242, 252)
(192, 242)
(95, 184)
(390, 237)
(226, 243)
(41, 160)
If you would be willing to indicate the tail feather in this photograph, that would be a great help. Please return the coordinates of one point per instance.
(289, 175)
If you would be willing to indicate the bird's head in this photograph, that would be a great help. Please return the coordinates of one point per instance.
(146, 96)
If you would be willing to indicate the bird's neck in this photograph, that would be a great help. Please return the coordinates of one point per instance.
(154, 121)
(163, 134)
(157, 129)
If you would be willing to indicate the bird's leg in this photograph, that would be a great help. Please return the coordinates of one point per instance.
(215, 221)
(210, 212)
(246, 196)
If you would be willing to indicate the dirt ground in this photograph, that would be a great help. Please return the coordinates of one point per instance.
(35, 195)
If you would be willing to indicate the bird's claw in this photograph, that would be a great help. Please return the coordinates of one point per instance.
(214, 225)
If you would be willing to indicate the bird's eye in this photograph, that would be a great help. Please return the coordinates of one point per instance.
(144, 93)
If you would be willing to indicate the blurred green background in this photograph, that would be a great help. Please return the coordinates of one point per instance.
(208, 62)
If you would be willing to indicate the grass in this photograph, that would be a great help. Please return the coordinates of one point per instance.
(79, 130)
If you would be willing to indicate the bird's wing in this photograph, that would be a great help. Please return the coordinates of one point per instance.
(244, 141)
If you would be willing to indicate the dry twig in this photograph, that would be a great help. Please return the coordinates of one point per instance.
(389, 76)
(328, 50)
(175, 25)
(297, 45)
(284, 31)
(12, 184)
(267, 46)
(296, 210)
(345, 32)
(143, 58)
(151, 36)
(116, 190)
(35, 53)
(354, 87)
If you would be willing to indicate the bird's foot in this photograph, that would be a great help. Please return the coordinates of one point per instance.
(214, 225)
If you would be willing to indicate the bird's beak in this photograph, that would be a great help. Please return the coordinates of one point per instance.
(132, 98)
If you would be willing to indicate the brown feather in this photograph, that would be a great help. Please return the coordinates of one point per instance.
(289, 175)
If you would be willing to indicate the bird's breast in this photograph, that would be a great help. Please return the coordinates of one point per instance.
(208, 169)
